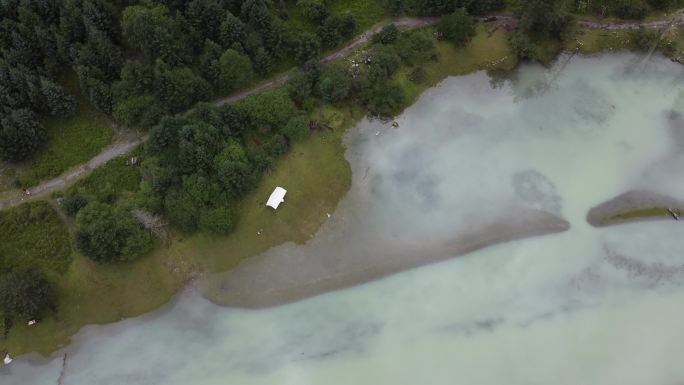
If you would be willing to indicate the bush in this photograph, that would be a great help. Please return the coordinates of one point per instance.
(297, 128)
(108, 234)
(27, 294)
(630, 9)
(523, 47)
(643, 39)
(73, 203)
(387, 35)
(457, 27)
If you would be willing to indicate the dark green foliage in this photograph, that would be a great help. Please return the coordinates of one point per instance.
(204, 18)
(232, 31)
(523, 47)
(154, 32)
(27, 294)
(256, 13)
(335, 84)
(544, 16)
(457, 27)
(58, 102)
(435, 7)
(416, 46)
(336, 28)
(385, 63)
(20, 135)
(138, 110)
(384, 99)
(102, 54)
(297, 128)
(218, 221)
(209, 61)
(662, 4)
(644, 39)
(299, 87)
(262, 61)
(629, 9)
(198, 144)
(179, 88)
(73, 203)
(97, 91)
(314, 10)
(307, 46)
(481, 7)
(235, 70)
(108, 234)
(270, 110)
(387, 35)
(234, 120)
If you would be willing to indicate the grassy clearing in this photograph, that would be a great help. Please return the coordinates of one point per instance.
(33, 235)
(71, 142)
(110, 182)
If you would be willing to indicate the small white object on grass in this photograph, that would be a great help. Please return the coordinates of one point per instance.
(277, 197)
(32, 322)
(8, 359)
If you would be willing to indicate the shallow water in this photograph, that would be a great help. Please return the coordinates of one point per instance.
(586, 306)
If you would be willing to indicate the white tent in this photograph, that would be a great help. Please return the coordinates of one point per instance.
(277, 197)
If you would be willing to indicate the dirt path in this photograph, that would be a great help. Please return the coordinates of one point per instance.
(123, 147)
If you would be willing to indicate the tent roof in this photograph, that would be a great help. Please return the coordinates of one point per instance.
(277, 197)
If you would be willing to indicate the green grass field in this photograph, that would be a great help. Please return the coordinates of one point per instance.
(33, 235)
(110, 182)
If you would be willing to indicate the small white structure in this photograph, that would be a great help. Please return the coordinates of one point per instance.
(277, 197)
(32, 322)
(8, 359)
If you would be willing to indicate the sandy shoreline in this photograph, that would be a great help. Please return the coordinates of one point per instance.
(606, 213)
(296, 273)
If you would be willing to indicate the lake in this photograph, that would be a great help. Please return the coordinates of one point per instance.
(475, 162)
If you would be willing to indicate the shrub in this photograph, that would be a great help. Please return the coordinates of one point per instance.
(457, 27)
(387, 35)
(630, 9)
(108, 234)
(73, 203)
(297, 128)
(27, 294)
(643, 39)
(523, 47)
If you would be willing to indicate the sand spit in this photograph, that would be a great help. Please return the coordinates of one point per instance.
(619, 209)
(297, 272)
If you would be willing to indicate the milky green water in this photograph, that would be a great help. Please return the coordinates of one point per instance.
(586, 306)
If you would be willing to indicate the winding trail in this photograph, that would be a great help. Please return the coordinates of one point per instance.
(123, 147)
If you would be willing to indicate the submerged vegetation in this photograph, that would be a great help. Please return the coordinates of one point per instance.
(192, 200)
